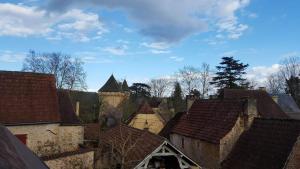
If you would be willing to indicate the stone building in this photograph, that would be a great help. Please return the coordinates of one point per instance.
(39, 115)
(146, 119)
(210, 128)
(112, 93)
(132, 148)
(269, 143)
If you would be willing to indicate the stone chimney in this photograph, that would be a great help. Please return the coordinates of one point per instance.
(250, 112)
(77, 108)
(189, 101)
(275, 99)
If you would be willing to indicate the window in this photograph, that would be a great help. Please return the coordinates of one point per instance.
(22, 138)
(182, 142)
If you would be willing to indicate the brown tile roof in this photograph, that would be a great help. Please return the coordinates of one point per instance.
(144, 142)
(266, 145)
(91, 131)
(209, 120)
(166, 131)
(66, 110)
(15, 155)
(266, 107)
(27, 98)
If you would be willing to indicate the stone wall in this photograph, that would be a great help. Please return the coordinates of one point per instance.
(112, 98)
(41, 139)
(227, 142)
(76, 161)
(203, 153)
(48, 139)
(70, 137)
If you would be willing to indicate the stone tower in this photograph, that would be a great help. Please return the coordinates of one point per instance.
(113, 93)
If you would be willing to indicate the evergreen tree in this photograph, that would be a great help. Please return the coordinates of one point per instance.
(230, 74)
(178, 102)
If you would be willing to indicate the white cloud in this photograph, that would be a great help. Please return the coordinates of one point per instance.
(261, 73)
(290, 54)
(10, 56)
(173, 20)
(252, 15)
(119, 50)
(176, 58)
(23, 21)
(160, 51)
(156, 45)
(92, 57)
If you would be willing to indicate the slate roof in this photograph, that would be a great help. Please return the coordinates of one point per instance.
(287, 103)
(144, 142)
(15, 155)
(66, 110)
(111, 85)
(166, 131)
(266, 107)
(209, 120)
(27, 98)
(125, 86)
(266, 145)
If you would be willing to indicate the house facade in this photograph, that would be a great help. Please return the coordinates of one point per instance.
(41, 116)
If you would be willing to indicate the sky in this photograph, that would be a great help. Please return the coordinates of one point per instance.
(139, 40)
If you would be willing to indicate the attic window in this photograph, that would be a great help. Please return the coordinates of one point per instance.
(182, 142)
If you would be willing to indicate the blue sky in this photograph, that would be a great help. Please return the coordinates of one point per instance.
(142, 39)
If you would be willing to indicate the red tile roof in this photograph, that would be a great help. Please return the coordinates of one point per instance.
(91, 131)
(144, 142)
(266, 145)
(266, 107)
(209, 120)
(27, 98)
(166, 131)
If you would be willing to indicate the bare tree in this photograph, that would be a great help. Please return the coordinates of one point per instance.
(159, 87)
(189, 78)
(120, 147)
(290, 67)
(69, 73)
(275, 84)
(204, 79)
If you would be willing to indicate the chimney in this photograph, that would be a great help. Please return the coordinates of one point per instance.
(77, 108)
(275, 99)
(189, 101)
(250, 112)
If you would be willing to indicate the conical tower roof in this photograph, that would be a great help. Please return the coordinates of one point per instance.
(125, 86)
(111, 85)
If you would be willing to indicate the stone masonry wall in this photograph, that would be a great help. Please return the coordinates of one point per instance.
(77, 161)
(112, 98)
(48, 139)
(70, 137)
(203, 153)
(227, 142)
(41, 139)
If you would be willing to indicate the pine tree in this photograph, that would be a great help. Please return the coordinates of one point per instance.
(178, 102)
(230, 74)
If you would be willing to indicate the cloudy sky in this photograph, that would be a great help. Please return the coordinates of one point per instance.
(143, 39)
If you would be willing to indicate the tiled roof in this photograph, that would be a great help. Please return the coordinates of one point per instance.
(209, 120)
(144, 108)
(91, 131)
(266, 145)
(27, 98)
(166, 131)
(15, 155)
(266, 107)
(143, 142)
(66, 110)
(111, 85)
